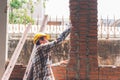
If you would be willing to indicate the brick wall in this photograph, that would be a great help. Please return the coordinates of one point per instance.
(60, 73)
(104, 73)
(83, 63)
(109, 73)
(18, 72)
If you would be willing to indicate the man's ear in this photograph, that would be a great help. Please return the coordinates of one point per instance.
(38, 42)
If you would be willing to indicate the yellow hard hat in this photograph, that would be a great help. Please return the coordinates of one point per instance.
(39, 35)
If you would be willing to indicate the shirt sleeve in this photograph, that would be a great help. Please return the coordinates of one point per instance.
(52, 44)
(63, 35)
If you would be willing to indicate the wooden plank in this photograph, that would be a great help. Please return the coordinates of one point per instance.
(45, 20)
(15, 55)
(53, 78)
(54, 23)
(29, 66)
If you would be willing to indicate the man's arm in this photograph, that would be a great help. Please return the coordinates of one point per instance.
(61, 37)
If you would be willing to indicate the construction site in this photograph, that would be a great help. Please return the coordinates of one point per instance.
(90, 52)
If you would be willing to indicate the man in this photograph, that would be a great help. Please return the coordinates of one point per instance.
(41, 61)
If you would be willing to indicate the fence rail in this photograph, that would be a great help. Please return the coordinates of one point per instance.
(106, 30)
(15, 30)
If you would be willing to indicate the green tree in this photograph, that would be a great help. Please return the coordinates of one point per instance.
(19, 9)
(15, 4)
(19, 12)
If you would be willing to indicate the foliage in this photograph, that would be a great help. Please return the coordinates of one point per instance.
(16, 4)
(19, 12)
(44, 3)
(19, 9)
(20, 18)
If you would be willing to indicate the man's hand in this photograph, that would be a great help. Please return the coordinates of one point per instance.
(65, 62)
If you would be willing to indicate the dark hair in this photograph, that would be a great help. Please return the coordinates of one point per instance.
(38, 43)
(42, 38)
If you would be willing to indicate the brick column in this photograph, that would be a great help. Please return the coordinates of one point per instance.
(83, 63)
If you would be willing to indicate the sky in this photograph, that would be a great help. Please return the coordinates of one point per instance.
(57, 8)
(110, 8)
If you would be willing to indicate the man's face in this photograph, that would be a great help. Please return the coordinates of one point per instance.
(43, 41)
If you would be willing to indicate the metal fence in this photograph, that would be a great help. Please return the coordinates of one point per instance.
(16, 30)
(19, 28)
(54, 27)
(108, 29)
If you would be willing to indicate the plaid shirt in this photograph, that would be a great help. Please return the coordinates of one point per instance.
(41, 61)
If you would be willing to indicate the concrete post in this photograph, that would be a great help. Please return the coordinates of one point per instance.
(3, 35)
